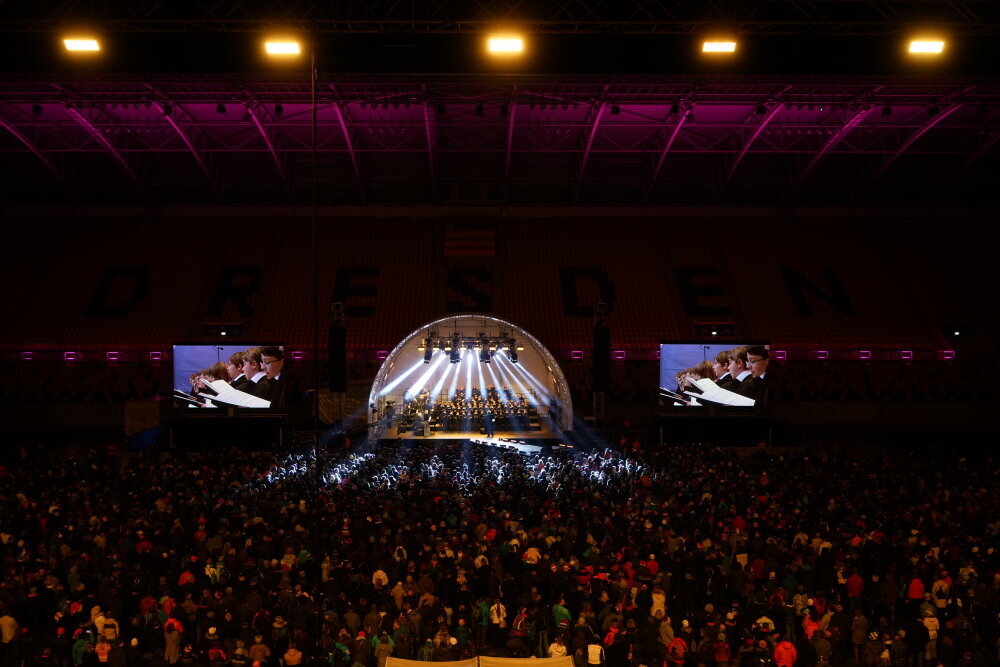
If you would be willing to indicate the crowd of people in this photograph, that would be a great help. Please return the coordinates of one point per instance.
(442, 550)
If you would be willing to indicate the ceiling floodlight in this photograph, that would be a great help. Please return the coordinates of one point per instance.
(505, 45)
(927, 47)
(81, 44)
(282, 47)
(721, 46)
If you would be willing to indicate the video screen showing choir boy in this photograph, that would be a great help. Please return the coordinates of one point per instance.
(699, 375)
(227, 376)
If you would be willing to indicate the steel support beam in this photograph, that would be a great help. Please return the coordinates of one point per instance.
(340, 112)
(829, 144)
(924, 129)
(983, 150)
(99, 137)
(681, 118)
(30, 145)
(160, 103)
(430, 135)
(680, 18)
(771, 115)
(590, 140)
(509, 145)
(256, 111)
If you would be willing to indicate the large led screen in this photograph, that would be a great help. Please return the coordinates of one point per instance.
(716, 376)
(210, 377)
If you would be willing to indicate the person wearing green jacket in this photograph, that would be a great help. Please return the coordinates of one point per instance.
(560, 613)
(80, 648)
(481, 619)
(426, 652)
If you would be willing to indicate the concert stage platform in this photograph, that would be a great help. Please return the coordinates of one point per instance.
(543, 433)
(531, 445)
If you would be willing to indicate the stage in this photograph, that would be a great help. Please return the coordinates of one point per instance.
(525, 445)
(544, 432)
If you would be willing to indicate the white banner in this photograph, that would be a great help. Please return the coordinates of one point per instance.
(400, 662)
(486, 661)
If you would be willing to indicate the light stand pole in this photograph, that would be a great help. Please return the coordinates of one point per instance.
(315, 246)
(314, 506)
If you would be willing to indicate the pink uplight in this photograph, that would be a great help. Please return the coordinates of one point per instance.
(906, 355)
(822, 354)
(864, 354)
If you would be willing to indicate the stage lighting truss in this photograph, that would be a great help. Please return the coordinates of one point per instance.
(486, 346)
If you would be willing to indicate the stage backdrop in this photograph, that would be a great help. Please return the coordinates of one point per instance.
(536, 375)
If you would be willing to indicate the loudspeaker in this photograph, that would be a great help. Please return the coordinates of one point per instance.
(602, 357)
(337, 350)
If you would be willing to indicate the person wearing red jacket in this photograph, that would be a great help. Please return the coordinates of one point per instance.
(785, 654)
(677, 653)
(855, 587)
(721, 651)
(915, 593)
(809, 625)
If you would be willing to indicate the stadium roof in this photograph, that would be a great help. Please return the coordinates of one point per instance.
(498, 139)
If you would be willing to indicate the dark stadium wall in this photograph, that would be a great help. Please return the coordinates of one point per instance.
(802, 282)
(135, 282)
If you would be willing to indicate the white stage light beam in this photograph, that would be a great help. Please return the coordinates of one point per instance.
(454, 379)
(482, 383)
(471, 359)
(493, 375)
(395, 383)
(504, 368)
(440, 383)
(418, 385)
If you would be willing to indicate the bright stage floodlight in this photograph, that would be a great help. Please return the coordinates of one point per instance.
(718, 46)
(84, 44)
(505, 45)
(927, 47)
(282, 47)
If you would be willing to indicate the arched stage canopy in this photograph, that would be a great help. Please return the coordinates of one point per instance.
(408, 369)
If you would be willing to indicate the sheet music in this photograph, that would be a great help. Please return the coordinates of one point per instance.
(716, 394)
(191, 401)
(240, 399)
(670, 394)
